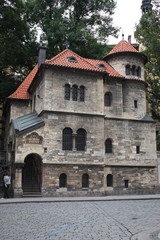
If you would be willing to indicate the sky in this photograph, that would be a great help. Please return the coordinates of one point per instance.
(127, 15)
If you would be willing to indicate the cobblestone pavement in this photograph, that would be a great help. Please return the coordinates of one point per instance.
(96, 220)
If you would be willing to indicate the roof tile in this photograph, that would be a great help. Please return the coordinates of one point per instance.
(122, 46)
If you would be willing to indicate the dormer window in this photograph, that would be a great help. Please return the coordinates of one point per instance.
(72, 59)
(101, 66)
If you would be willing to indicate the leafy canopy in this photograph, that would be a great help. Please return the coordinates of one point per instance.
(148, 35)
(81, 25)
(17, 46)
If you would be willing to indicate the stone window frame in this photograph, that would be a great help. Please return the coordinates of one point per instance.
(74, 92)
(71, 141)
(132, 70)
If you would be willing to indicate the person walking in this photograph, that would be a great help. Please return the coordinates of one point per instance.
(7, 183)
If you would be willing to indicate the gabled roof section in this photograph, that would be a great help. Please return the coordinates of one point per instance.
(22, 91)
(63, 60)
(27, 123)
(111, 71)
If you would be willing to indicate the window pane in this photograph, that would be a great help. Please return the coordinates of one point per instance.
(107, 99)
(67, 139)
(133, 70)
(127, 69)
(81, 140)
(108, 146)
(82, 93)
(63, 180)
(109, 180)
(74, 93)
(67, 92)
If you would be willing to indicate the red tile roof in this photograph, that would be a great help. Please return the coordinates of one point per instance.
(122, 46)
(22, 90)
(61, 60)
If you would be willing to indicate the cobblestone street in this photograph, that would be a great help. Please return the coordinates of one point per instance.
(90, 220)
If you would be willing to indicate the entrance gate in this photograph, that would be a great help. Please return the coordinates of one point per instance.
(32, 175)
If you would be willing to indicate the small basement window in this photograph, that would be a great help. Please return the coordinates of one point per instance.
(126, 183)
(135, 103)
(72, 59)
(137, 149)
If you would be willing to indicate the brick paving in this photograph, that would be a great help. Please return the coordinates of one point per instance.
(94, 219)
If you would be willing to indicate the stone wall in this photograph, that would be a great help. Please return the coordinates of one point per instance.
(51, 173)
(120, 61)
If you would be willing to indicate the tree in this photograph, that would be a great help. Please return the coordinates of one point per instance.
(148, 35)
(17, 46)
(81, 25)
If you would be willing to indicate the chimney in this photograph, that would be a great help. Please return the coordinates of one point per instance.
(41, 55)
(129, 39)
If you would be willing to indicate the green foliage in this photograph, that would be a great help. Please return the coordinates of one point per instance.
(148, 34)
(17, 46)
(76, 24)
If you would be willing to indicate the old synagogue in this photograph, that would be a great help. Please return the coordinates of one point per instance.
(79, 127)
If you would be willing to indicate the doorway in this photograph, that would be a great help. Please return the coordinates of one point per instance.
(32, 174)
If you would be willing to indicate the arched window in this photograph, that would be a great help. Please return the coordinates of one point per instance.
(134, 70)
(108, 99)
(81, 140)
(127, 69)
(85, 181)
(67, 92)
(82, 93)
(74, 93)
(108, 146)
(63, 180)
(67, 143)
(109, 180)
(138, 71)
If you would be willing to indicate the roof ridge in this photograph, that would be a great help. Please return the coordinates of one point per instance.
(58, 55)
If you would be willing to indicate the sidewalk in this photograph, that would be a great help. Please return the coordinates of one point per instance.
(78, 199)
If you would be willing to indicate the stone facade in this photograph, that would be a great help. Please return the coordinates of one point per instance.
(132, 162)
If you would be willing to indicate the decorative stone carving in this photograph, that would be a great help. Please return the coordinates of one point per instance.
(34, 138)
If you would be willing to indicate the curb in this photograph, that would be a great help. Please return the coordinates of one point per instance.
(78, 199)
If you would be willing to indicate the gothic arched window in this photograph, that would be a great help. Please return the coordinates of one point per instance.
(67, 92)
(109, 180)
(85, 181)
(108, 99)
(81, 140)
(108, 146)
(128, 69)
(82, 93)
(63, 180)
(74, 93)
(67, 143)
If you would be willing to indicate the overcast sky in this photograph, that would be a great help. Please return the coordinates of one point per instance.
(127, 15)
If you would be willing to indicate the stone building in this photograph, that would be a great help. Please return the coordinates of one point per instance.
(79, 127)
